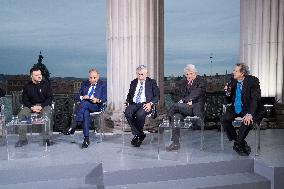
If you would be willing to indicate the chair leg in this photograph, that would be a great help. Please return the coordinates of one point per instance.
(101, 128)
(202, 135)
(257, 139)
(222, 136)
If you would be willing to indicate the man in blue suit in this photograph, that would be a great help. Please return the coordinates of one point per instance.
(143, 94)
(92, 95)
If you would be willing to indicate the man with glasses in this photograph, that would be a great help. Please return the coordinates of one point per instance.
(143, 93)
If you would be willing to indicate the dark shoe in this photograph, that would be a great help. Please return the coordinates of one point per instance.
(247, 147)
(142, 137)
(134, 140)
(86, 143)
(139, 140)
(240, 150)
(48, 142)
(21, 143)
(70, 131)
(173, 147)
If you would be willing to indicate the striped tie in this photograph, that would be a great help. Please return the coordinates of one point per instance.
(92, 91)
(138, 97)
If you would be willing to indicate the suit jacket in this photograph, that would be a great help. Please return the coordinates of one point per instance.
(251, 96)
(196, 93)
(152, 91)
(100, 91)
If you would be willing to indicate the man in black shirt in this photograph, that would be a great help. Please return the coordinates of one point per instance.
(37, 98)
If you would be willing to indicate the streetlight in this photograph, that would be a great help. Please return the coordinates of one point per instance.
(211, 61)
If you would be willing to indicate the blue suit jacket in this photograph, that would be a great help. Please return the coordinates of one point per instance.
(100, 91)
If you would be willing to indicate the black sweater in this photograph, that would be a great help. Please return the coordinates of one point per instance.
(40, 93)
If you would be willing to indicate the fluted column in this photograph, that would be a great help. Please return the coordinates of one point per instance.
(262, 45)
(135, 35)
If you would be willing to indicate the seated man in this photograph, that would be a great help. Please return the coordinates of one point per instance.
(92, 94)
(37, 98)
(191, 100)
(244, 97)
(143, 93)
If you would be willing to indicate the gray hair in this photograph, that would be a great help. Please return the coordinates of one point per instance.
(189, 67)
(141, 67)
(243, 68)
(93, 70)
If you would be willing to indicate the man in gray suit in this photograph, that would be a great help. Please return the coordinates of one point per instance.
(190, 99)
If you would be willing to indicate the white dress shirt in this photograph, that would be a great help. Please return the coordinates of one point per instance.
(142, 97)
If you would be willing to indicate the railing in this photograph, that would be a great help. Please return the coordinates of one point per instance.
(63, 109)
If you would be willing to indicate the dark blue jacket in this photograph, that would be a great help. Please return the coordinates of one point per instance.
(100, 91)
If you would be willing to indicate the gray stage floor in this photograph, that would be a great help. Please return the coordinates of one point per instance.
(118, 155)
(115, 152)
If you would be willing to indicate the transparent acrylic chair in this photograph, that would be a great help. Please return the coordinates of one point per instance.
(36, 147)
(183, 130)
(237, 123)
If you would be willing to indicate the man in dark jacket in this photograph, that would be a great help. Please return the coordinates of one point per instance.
(143, 93)
(37, 98)
(190, 99)
(92, 95)
(243, 97)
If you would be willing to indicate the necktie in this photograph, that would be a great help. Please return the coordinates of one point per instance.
(92, 91)
(189, 84)
(238, 99)
(138, 97)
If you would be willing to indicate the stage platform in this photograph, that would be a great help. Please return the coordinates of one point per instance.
(115, 164)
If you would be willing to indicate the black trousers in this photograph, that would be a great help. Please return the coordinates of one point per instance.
(239, 137)
(135, 116)
(182, 110)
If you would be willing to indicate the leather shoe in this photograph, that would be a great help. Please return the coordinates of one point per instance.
(139, 140)
(247, 147)
(142, 137)
(134, 140)
(86, 143)
(70, 131)
(21, 143)
(241, 150)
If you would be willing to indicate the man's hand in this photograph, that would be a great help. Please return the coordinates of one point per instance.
(147, 107)
(189, 103)
(247, 119)
(36, 109)
(85, 97)
(95, 100)
(226, 87)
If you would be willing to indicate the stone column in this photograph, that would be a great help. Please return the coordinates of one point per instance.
(262, 45)
(135, 35)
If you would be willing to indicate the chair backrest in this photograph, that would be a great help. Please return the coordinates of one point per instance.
(214, 106)
(17, 103)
